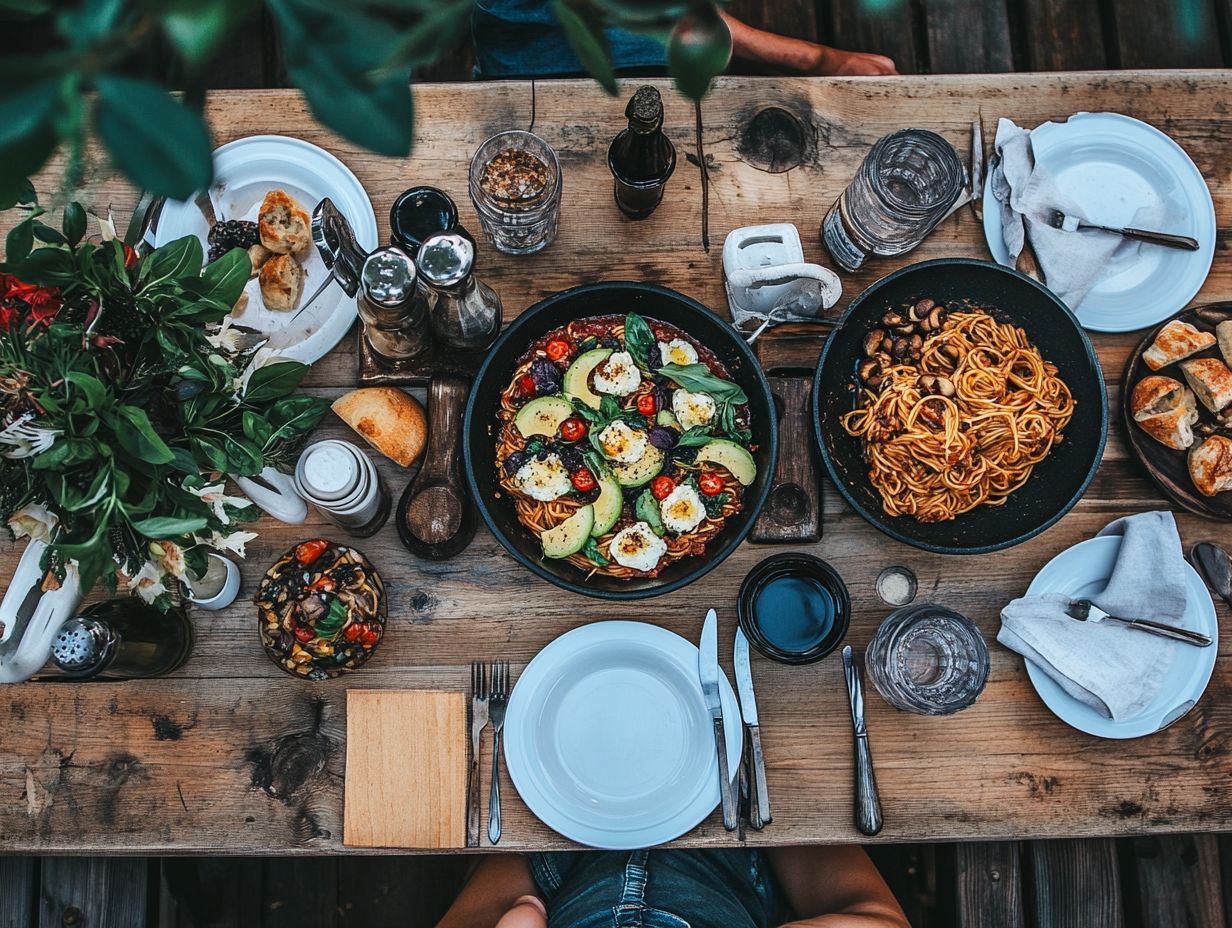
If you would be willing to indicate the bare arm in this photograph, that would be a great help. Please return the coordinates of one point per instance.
(798, 55)
(835, 887)
(498, 884)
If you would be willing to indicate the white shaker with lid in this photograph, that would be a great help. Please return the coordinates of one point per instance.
(344, 485)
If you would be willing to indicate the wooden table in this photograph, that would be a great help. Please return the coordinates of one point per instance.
(230, 755)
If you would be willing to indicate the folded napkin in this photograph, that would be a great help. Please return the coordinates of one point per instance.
(1072, 261)
(1115, 670)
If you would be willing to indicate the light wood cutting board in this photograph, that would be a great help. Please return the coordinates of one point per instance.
(406, 771)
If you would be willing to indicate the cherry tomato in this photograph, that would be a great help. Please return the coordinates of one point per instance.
(304, 634)
(583, 480)
(661, 487)
(369, 637)
(558, 349)
(323, 582)
(710, 484)
(573, 429)
(309, 551)
(353, 631)
(526, 383)
(646, 404)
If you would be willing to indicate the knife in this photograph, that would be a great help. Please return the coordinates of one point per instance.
(868, 806)
(977, 169)
(708, 674)
(1086, 611)
(759, 795)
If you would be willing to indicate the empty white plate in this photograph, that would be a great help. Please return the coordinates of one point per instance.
(1082, 572)
(244, 172)
(608, 738)
(1111, 166)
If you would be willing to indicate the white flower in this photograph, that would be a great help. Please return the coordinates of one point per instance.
(227, 338)
(214, 496)
(25, 439)
(33, 521)
(233, 542)
(148, 584)
(106, 227)
(261, 357)
(170, 558)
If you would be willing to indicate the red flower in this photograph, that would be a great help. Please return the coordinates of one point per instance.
(44, 303)
(8, 315)
(11, 287)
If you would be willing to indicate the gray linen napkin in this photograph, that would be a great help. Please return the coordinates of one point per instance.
(1115, 670)
(1072, 262)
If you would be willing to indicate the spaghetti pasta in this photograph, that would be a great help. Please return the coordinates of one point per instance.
(963, 425)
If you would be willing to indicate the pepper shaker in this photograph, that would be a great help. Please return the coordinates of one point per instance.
(463, 311)
(393, 310)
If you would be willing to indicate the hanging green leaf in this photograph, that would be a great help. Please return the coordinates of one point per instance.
(159, 143)
(197, 29)
(224, 279)
(19, 241)
(74, 222)
(698, 50)
(140, 440)
(588, 41)
(159, 528)
(274, 381)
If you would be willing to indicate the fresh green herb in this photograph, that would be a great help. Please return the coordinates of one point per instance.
(694, 437)
(714, 504)
(647, 509)
(640, 341)
(697, 378)
(333, 621)
(727, 424)
(593, 554)
(534, 446)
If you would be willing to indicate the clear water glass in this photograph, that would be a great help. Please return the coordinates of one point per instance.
(517, 225)
(928, 659)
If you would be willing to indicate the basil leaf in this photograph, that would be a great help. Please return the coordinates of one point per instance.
(160, 527)
(593, 554)
(640, 341)
(333, 620)
(609, 409)
(695, 437)
(697, 378)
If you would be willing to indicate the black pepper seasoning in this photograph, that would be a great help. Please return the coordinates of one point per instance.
(641, 157)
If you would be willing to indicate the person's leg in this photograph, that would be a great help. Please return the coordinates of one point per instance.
(834, 887)
(501, 885)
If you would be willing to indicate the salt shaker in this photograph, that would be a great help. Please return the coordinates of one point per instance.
(394, 313)
(344, 485)
(463, 311)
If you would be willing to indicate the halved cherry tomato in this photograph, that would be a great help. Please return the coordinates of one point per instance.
(573, 429)
(324, 582)
(304, 634)
(661, 487)
(647, 405)
(309, 551)
(711, 484)
(583, 480)
(369, 637)
(526, 383)
(558, 349)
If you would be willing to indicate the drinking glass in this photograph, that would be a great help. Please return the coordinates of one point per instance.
(928, 659)
(522, 224)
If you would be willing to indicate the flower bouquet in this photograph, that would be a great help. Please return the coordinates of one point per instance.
(125, 395)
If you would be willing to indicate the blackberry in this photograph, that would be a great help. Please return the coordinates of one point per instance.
(234, 233)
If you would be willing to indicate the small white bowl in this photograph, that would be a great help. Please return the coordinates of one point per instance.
(224, 597)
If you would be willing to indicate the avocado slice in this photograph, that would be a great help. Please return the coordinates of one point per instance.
(570, 536)
(577, 377)
(668, 418)
(609, 504)
(542, 416)
(647, 509)
(730, 455)
(641, 471)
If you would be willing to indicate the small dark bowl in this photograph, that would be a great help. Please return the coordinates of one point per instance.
(1056, 483)
(479, 427)
(793, 564)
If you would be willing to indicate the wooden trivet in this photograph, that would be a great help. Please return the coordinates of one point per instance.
(373, 371)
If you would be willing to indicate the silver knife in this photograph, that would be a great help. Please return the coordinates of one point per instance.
(1086, 611)
(868, 805)
(977, 168)
(759, 795)
(708, 674)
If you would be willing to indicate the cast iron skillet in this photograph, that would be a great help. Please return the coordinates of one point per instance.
(1057, 482)
(479, 427)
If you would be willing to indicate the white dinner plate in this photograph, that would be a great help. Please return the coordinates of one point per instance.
(1082, 572)
(244, 172)
(608, 738)
(1111, 166)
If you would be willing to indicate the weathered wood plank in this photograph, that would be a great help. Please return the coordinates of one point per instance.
(968, 35)
(988, 885)
(1182, 34)
(209, 892)
(299, 893)
(397, 892)
(795, 18)
(885, 29)
(1060, 35)
(18, 891)
(1178, 881)
(101, 892)
(911, 872)
(1075, 884)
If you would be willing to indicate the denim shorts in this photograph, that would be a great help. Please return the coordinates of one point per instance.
(730, 888)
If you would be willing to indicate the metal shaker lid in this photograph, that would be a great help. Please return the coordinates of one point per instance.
(389, 276)
(327, 471)
(79, 645)
(445, 259)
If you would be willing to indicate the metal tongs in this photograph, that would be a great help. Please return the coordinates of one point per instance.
(338, 248)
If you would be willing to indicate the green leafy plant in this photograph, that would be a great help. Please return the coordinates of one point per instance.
(351, 60)
(126, 395)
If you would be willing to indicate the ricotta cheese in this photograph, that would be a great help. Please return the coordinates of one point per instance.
(682, 509)
(692, 409)
(637, 547)
(544, 480)
(618, 375)
(621, 442)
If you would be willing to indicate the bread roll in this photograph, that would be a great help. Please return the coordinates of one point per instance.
(282, 282)
(389, 420)
(258, 254)
(1211, 380)
(1223, 332)
(284, 226)
(1210, 465)
(1166, 410)
(1175, 341)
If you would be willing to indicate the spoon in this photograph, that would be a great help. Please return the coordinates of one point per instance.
(1216, 569)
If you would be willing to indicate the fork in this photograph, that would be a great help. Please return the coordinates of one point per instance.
(1057, 219)
(498, 699)
(479, 721)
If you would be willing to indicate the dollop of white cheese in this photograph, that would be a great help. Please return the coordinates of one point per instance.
(618, 375)
(682, 509)
(620, 442)
(678, 351)
(637, 547)
(544, 480)
(692, 409)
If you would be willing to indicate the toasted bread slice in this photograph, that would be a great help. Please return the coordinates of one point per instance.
(282, 282)
(391, 421)
(284, 226)
(1223, 333)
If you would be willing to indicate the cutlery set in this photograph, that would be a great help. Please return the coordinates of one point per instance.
(490, 690)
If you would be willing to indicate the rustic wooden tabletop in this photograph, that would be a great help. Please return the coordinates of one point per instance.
(230, 755)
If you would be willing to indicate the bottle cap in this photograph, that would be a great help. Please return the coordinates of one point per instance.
(327, 471)
(78, 646)
(445, 259)
(419, 212)
(389, 276)
(645, 109)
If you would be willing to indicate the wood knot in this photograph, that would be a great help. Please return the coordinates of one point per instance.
(776, 140)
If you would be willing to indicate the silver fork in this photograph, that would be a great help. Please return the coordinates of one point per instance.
(498, 699)
(479, 721)
(1056, 218)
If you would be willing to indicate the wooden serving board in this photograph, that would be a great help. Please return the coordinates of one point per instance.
(405, 769)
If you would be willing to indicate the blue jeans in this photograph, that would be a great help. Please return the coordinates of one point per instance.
(657, 889)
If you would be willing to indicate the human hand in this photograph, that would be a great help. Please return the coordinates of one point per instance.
(526, 912)
(839, 63)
